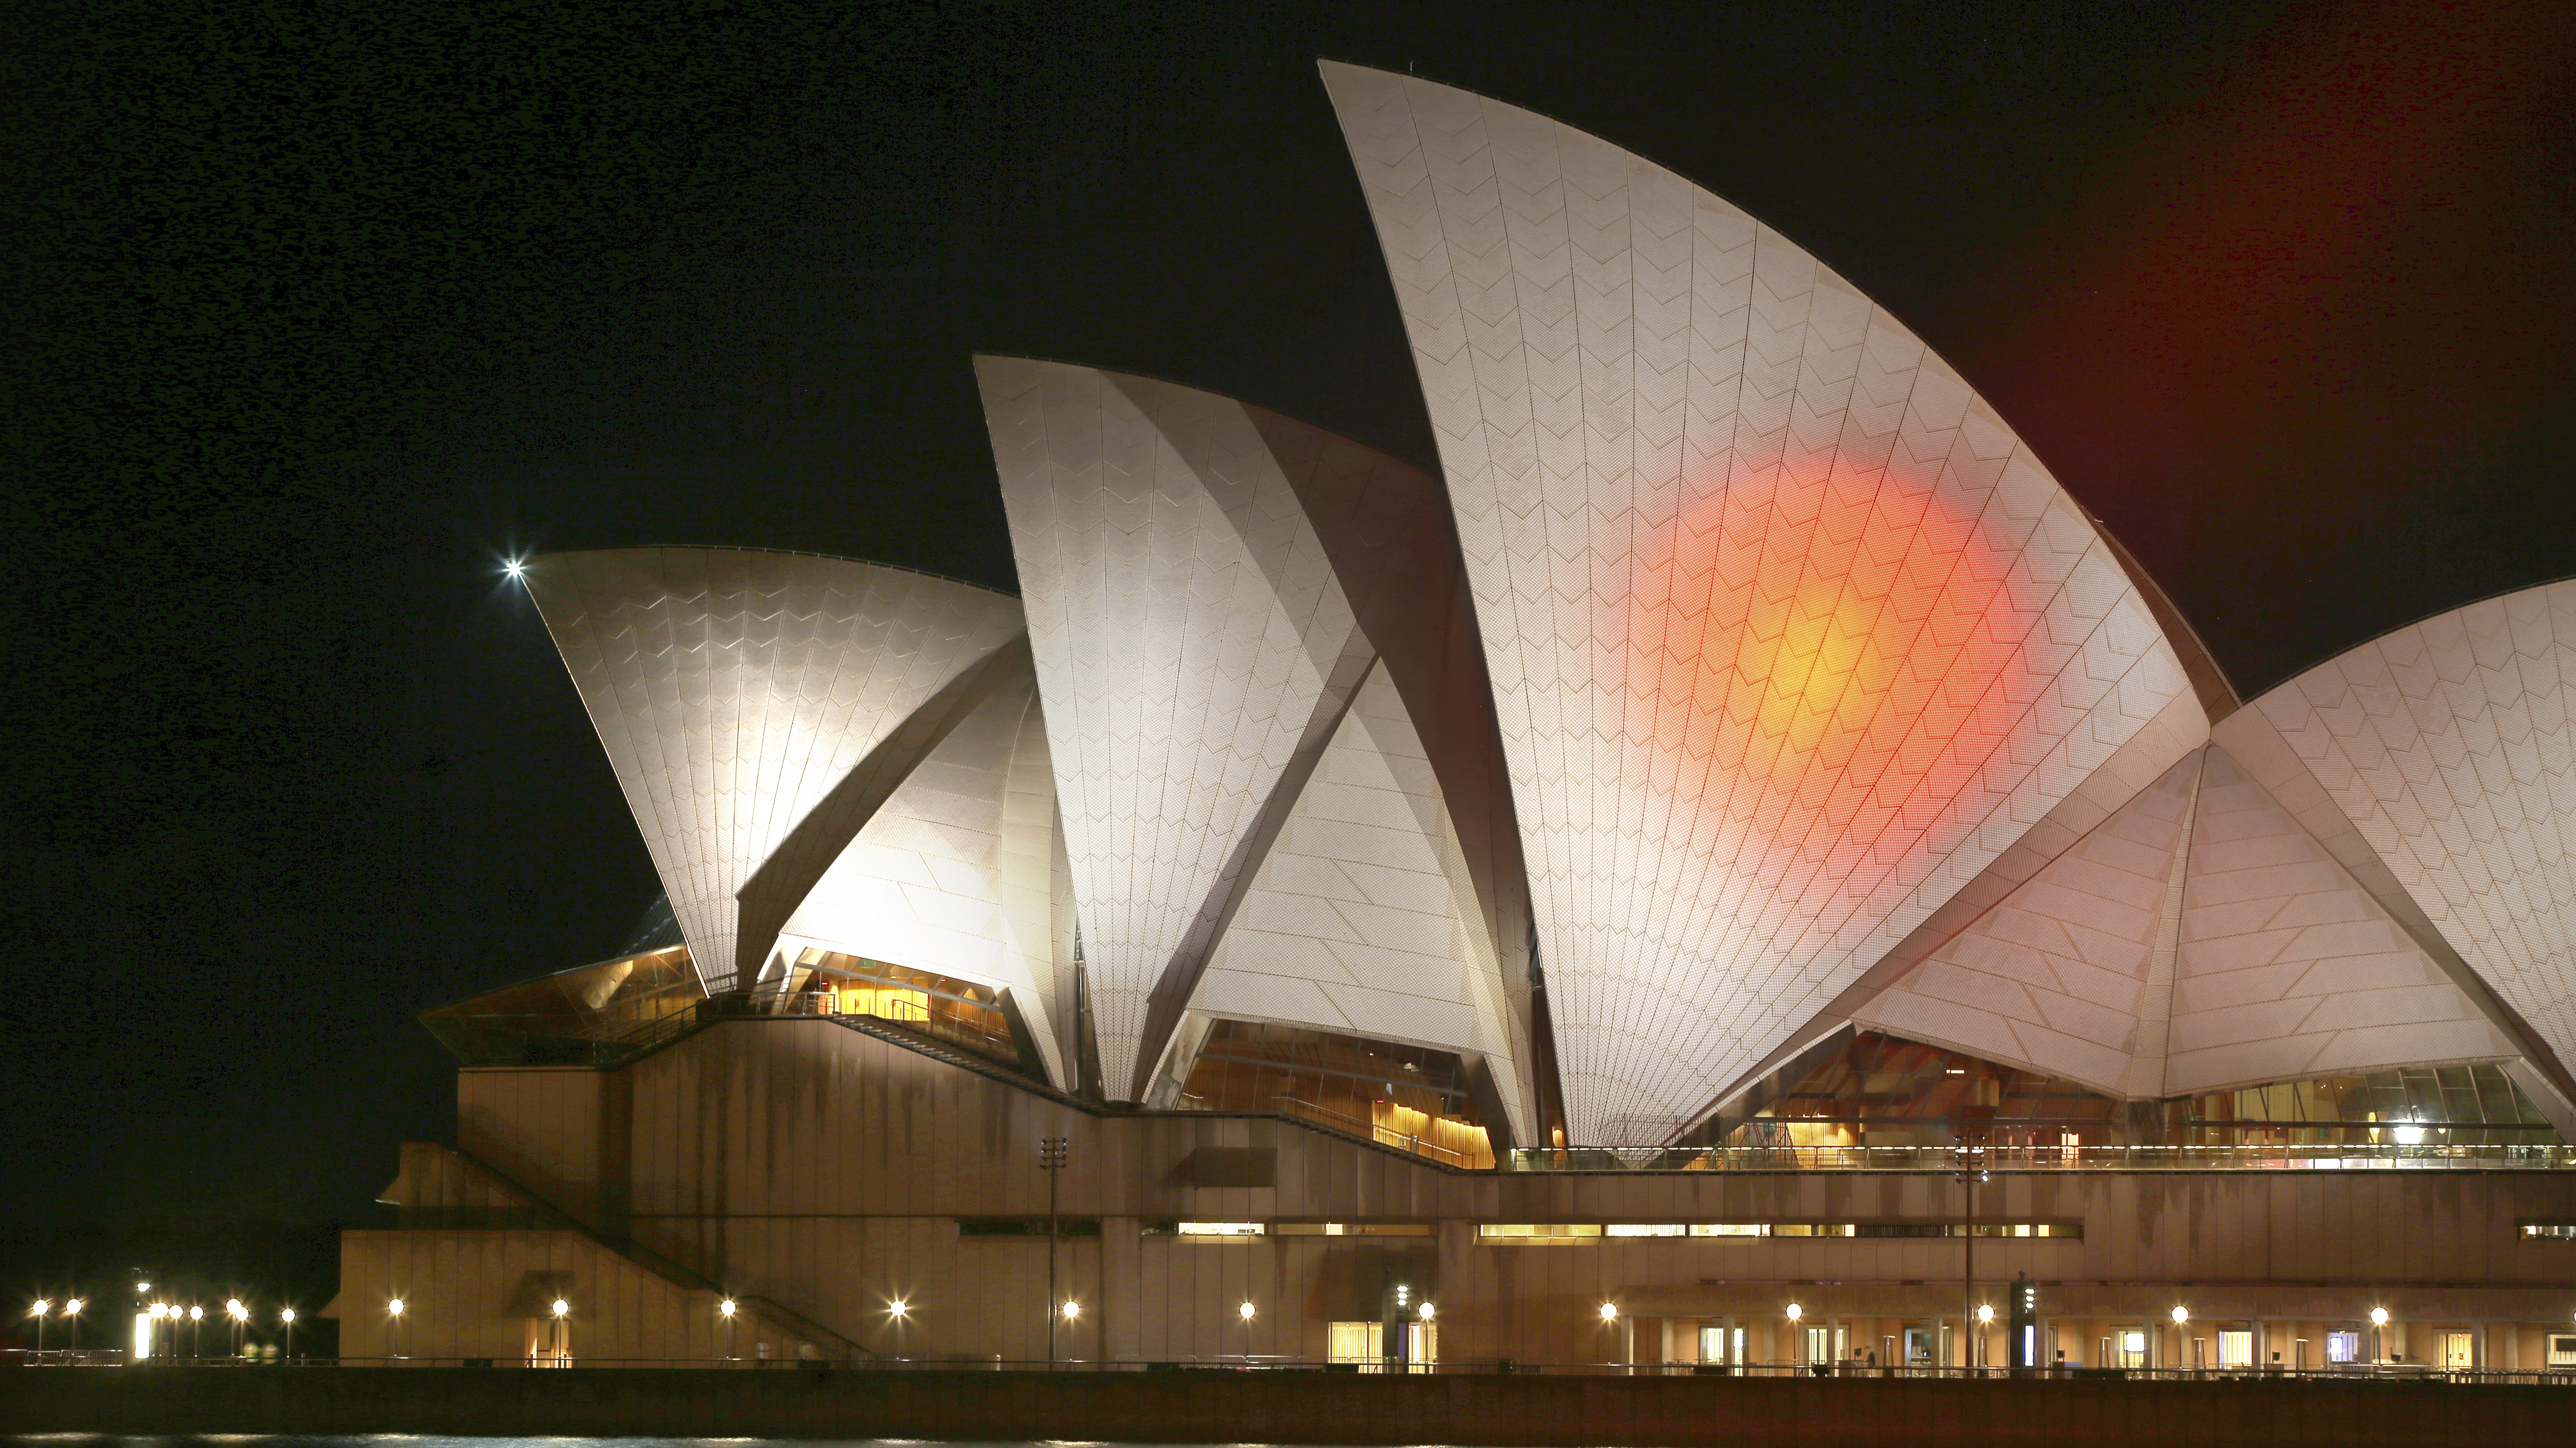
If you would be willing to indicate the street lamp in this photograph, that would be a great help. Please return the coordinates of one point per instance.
(896, 1309)
(725, 1310)
(1797, 1342)
(38, 1312)
(1245, 1312)
(286, 1315)
(72, 1312)
(1985, 1320)
(1053, 1153)
(1609, 1313)
(395, 1307)
(196, 1330)
(1428, 1312)
(2379, 1334)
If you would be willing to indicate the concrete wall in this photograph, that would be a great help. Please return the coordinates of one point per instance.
(1144, 1407)
(826, 1170)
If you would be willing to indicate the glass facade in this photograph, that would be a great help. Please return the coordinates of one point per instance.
(590, 1015)
(1884, 1091)
(960, 1013)
(1409, 1097)
(2415, 1106)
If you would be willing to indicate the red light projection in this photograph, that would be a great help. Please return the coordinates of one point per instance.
(1841, 652)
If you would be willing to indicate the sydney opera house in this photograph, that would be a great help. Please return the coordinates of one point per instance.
(1737, 868)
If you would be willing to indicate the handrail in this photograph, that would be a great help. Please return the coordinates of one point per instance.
(2036, 1158)
(1264, 1362)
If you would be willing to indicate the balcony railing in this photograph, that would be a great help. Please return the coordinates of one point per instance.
(2040, 1158)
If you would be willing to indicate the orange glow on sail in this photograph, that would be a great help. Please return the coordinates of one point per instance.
(1840, 651)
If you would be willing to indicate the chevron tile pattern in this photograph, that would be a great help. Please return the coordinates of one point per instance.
(1789, 634)
(2287, 968)
(1361, 918)
(923, 885)
(1188, 633)
(2054, 978)
(2447, 744)
(733, 688)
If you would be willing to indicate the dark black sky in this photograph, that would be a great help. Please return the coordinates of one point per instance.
(325, 308)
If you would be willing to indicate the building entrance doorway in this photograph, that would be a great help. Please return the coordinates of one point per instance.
(2457, 1352)
(1919, 1344)
(1721, 1343)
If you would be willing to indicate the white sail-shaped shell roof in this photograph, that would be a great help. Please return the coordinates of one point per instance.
(1790, 636)
(735, 690)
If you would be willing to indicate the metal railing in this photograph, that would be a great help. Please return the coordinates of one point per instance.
(2038, 1158)
(1267, 1363)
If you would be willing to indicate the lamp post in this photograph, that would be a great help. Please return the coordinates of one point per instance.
(2181, 1318)
(725, 1310)
(1797, 1342)
(196, 1330)
(38, 1312)
(71, 1322)
(241, 1317)
(1985, 1320)
(1245, 1312)
(286, 1316)
(1052, 1154)
(394, 1309)
(2379, 1334)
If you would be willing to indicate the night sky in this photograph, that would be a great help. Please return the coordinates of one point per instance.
(323, 310)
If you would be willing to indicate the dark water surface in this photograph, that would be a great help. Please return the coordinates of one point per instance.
(435, 1440)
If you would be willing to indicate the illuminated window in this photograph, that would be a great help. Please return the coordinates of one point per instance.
(1411, 1098)
(2343, 1347)
(2549, 1232)
(1731, 1229)
(1218, 1229)
(1647, 1229)
(1351, 1229)
(1538, 1234)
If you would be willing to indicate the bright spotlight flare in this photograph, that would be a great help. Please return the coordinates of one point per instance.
(515, 567)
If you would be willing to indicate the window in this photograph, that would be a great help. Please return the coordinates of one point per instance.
(2562, 1349)
(1731, 1229)
(1216, 1229)
(2343, 1347)
(1351, 1229)
(1358, 1342)
(2549, 1231)
(2235, 1348)
(1647, 1229)
(1534, 1234)
(2133, 1349)
(1026, 1226)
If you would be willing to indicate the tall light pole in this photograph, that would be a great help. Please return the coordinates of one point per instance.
(1053, 1151)
(241, 1319)
(286, 1315)
(38, 1312)
(1245, 1312)
(394, 1310)
(196, 1330)
(71, 1315)
(725, 1309)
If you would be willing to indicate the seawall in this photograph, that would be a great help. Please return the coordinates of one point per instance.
(1214, 1407)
